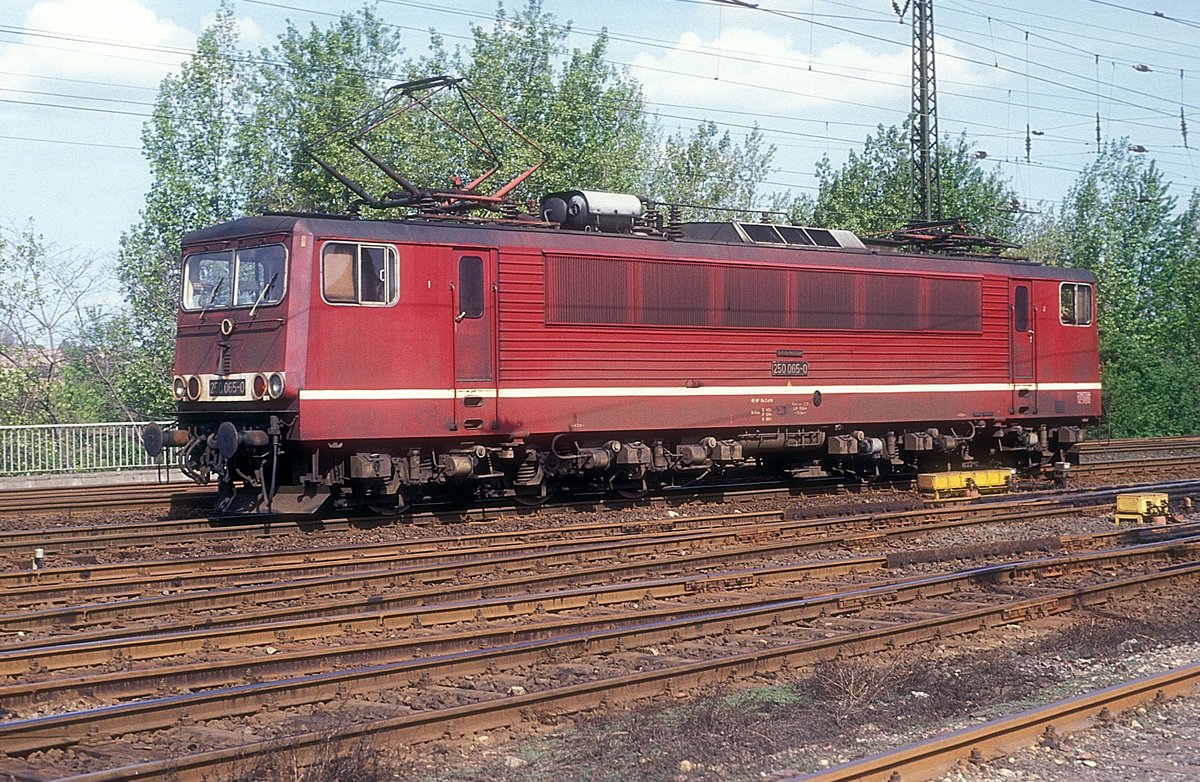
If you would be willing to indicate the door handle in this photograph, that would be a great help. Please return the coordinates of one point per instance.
(458, 318)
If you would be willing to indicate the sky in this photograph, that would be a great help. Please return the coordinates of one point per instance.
(78, 79)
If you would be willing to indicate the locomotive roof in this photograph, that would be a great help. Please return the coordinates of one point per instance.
(537, 235)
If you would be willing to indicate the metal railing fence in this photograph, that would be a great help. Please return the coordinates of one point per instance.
(69, 448)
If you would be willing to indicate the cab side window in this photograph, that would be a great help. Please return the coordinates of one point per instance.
(359, 274)
(470, 286)
(1021, 309)
(1075, 304)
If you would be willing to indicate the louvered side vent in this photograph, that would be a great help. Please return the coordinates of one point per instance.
(769, 233)
(766, 233)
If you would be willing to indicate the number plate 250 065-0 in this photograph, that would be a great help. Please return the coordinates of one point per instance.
(789, 368)
(227, 387)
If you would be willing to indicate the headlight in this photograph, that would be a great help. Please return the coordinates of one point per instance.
(193, 387)
(259, 386)
(275, 385)
(179, 387)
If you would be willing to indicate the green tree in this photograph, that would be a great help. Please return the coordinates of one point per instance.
(708, 168)
(872, 192)
(190, 144)
(1119, 221)
(44, 307)
(307, 86)
(586, 115)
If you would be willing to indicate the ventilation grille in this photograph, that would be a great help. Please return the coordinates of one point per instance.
(769, 233)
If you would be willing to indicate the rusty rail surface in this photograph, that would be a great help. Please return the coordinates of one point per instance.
(384, 560)
(149, 682)
(506, 711)
(422, 608)
(117, 496)
(66, 539)
(935, 756)
(413, 569)
(180, 574)
(1101, 451)
(38, 500)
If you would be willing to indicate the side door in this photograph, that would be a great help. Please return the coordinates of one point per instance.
(475, 338)
(1022, 346)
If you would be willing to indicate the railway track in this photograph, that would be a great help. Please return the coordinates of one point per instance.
(155, 591)
(104, 497)
(1092, 452)
(108, 669)
(426, 696)
(933, 757)
(707, 587)
(45, 656)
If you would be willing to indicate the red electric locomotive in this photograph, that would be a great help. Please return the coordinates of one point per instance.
(374, 362)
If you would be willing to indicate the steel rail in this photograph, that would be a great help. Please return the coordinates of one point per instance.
(100, 496)
(1093, 451)
(66, 539)
(1167, 464)
(789, 537)
(98, 572)
(362, 552)
(507, 711)
(52, 731)
(371, 583)
(135, 495)
(338, 610)
(43, 655)
(935, 756)
(421, 608)
(55, 584)
(59, 541)
(146, 682)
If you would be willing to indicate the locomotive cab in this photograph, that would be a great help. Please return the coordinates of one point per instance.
(231, 383)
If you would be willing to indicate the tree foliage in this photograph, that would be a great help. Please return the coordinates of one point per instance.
(50, 371)
(586, 115)
(709, 168)
(1119, 221)
(307, 85)
(190, 143)
(872, 193)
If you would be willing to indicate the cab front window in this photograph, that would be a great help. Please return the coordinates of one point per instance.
(246, 277)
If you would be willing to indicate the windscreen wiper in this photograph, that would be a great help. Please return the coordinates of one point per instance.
(263, 294)
(212, 298)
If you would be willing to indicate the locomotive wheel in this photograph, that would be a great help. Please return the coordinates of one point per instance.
(531, 500)
(631, 490)
(391, 505)
(631, 494)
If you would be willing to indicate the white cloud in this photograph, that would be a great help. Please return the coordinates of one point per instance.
(723, 73)
(117, 41)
